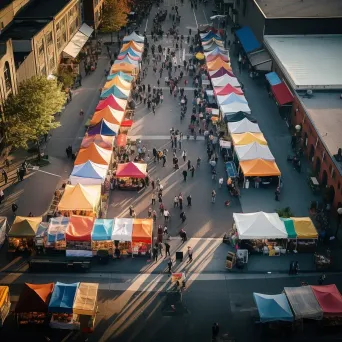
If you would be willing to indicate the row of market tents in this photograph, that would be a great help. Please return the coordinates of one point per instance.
(250, 145)
(95, 156)
(296, 303)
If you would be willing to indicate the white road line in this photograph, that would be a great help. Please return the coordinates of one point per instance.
(205, 16)
(146, 25)
(195, 17)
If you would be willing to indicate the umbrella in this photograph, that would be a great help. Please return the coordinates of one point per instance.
(199, 56)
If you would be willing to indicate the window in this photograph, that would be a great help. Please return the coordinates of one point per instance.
(58, 26)
(41, 49)
(7, 75)
(52, 63)
(49, 38)
(59, 44)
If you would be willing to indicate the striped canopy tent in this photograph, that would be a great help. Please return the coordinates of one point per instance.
(216, 41)
(135, 46)
(125, 54)
(228, 89)
(216, 51)
(124, 67)
(223, 57)
(230, 98)
(88, 173)
(118, 81)
(209, 35)
(117, 92)
(104, 128)
(109, 114)
(95, 154)
(103, 141)
(133, 52)
(122, 75)
(127, 59)
(114, 102)
(221, 72)
(212, 46)
(134, 37)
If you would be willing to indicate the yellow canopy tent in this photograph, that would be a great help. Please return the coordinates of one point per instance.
(80, 197)
(109, 114)
(304, 228)
(248, 138)
(94, 153)
(259, 168)
(124, 67)
(218, 63)
(86, 299)
(134, 45)
(119, 82)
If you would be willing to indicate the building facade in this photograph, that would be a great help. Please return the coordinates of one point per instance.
(92, 10)
(8, 10)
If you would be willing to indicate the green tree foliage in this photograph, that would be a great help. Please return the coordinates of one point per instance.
(65, 76)
(114, 15)
(30, 113)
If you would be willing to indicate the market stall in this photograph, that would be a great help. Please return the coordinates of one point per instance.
(265, 233)
(118, 81)
(266, 170)
(103, 141)
(248, 138)
(131, 176)
(78, 236)
(221, 72)
(243, 126)
(127, 58)
(80, 200)
(121, 140)
(121, 74)
(103, 128)
(85, 306)
(227, 89)
(220, 56)
(142, 236)
(134, 45)
(109, 114)
(3, 229)
(222, 81)
(330, 300)
(5, 304)
(40, 238)
(101, 236)
(125, 67)
(23, 233)
(88, 173)
(61, 306)
(234, 107)
(122, 235)
(253, 151)
(33, 304)
(95, 154)
(230, 98)
(240, 116)
(112, 102)
(216, 51)
(303, 303)
(116, 91)
(273, 308)
(56, 233)
(134, 37)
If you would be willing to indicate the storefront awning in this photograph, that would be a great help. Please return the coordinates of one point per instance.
(248, 39)
(282, 94)
(260, 60)
(78, 41)
(273, 78)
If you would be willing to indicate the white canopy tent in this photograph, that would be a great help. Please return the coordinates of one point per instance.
(122, 230)
(224, 80)
(253, 151)
(135, 37)
(243, 126)
(227, 99)
(235, 107)
(259, 225)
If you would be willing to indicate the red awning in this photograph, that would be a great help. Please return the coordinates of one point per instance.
(127, 123)
(121, 140)
(282, 94)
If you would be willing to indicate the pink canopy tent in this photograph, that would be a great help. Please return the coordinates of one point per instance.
(227, 89)
(131, 170)
(111, 101)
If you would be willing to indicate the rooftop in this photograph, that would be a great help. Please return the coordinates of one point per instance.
(21, 31)
(300, 8)
(324, 109)
(5, 3)
(309, 62)
(42, 9)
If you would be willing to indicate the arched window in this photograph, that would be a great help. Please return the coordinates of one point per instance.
(7, 76)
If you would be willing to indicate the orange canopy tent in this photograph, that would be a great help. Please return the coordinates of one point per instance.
(131, 170)
(142, 230)
(134, 45)
(248, 138)
(79, 228)
(114, 102)
(103, 141)
(121, 140)
(94, 153)
(259, 168)
(124, 67)
(222, 57)
(217, 64)
(111, 115)
(119, 82)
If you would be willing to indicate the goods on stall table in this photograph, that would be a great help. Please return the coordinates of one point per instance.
(230, 260)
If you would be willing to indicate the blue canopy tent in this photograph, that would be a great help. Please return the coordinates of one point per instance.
(62, 298)
(273, 308)
(88, 173)
(56, 229)
(247, 39)
(273, 79)
(102, 230)
(123, 75)
(104, 128)
(231, 98)
(127, 60)
(210, 35)
(115, 91)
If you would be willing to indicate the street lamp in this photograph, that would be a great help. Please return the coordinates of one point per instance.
(298, 128)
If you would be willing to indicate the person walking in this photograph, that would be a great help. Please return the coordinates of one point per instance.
(153, 184)
(164, 160)
(198, 162)
(189, 164)
(192, 170)
(182, 216)
(220, 182)
(160, 249)
(155, 252)
(169, 265)
(277, 194)
(180, 200)
(184, 155)
(14, 209)
(153, 199)
(175, 202)
(182, 234)
(131, 210)
(190, 254)
(166, 215)
(149, 212)
(185, 174)
(4, 176)
(167, 249)
(189, 199)
(213, 196)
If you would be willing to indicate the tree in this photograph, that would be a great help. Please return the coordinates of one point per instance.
(66, 76)
(29, 114)
(114, 16)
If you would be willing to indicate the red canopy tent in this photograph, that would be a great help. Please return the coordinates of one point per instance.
(127, 123)
(329, 298)
(121, 140)
(222, 71)
(131, 170)
(228, 89)
(79, 228)
(109, 101)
